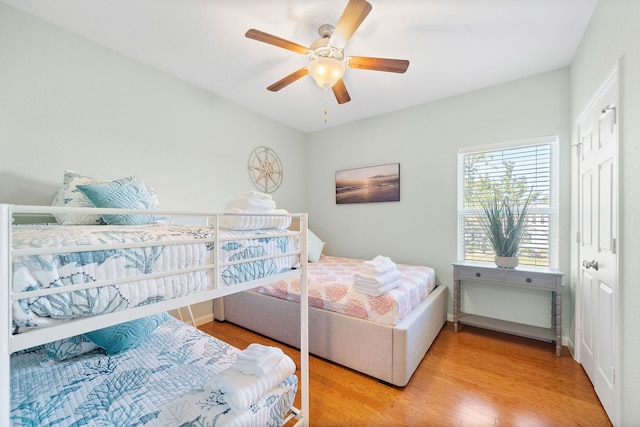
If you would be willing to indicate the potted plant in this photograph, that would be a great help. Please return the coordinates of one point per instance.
(506, 224)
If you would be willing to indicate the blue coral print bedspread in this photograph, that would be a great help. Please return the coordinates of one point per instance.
(32, 272)
(162, 382)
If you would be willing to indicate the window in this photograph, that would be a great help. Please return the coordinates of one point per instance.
(515, 170)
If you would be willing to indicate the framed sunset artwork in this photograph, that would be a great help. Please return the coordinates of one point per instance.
(369, 184)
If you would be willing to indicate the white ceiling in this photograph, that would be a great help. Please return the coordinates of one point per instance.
(453, 46)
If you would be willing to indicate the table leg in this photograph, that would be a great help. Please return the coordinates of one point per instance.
(558, 321)
(456, 304)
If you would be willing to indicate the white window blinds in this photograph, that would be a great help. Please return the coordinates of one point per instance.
(515, 170)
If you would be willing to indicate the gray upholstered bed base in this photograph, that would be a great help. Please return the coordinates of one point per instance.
(390, 354)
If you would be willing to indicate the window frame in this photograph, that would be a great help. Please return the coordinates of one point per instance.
(552, 210)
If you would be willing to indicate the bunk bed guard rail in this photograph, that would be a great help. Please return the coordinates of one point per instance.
(10, 343)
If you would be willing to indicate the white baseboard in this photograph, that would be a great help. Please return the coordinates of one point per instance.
(207, 318)
(184, 316)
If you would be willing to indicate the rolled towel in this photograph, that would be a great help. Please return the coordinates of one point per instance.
(383, 260)
(242, 390)
(257, 195)
(258, 359)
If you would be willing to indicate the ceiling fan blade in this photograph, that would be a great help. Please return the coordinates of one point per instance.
(340, 92)
(276, 41)
(379, 64)
(288, 79)
(351, 18)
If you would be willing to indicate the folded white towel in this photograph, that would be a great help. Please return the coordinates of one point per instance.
(258, 359)
(379, 280)
(367, 288)
(381, 260)
(378, 265)
(242, 390)
(257, 195)
(376, 291)
(376, 270)
(358, 285)
(252, 204)
(254, 351)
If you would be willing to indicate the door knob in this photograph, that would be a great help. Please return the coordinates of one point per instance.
(590, 264)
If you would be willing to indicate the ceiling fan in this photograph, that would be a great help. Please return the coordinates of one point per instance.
(327, 61)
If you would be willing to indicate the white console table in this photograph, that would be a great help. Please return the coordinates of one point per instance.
(544, 279)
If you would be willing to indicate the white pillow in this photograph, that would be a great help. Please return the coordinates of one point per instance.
(314, 246)
(73, 197)
(58, 199)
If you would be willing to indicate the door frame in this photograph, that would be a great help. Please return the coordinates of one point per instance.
(613, 77)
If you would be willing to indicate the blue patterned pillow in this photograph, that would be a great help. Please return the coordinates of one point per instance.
(68, 347)
(125, 193)
(118, 338)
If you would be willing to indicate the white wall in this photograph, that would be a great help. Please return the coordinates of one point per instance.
(614, 34)
(67, 103)
(425, 140)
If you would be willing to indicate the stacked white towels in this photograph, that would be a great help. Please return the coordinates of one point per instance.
(257, 370)
(377, 276)
(258, 359)
(252, 201)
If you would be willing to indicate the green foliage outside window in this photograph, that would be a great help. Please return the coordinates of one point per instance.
(493, 177)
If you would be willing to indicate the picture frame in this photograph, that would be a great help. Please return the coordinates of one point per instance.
(369, 184)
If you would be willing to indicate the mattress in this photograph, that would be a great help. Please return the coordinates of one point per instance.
(144, 264)
(163, 382)
(331, 288)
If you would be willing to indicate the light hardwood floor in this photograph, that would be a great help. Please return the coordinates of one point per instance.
(472, 378)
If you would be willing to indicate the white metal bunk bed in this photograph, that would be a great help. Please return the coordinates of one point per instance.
(13, 342)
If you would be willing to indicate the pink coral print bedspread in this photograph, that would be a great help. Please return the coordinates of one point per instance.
(331, 288)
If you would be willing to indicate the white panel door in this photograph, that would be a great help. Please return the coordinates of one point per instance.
(598, 186)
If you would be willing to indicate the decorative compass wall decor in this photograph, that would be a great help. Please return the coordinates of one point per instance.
(265, 169)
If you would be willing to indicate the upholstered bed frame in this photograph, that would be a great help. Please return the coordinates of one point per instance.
(390, 354)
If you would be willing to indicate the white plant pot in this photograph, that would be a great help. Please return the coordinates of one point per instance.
(507, 261)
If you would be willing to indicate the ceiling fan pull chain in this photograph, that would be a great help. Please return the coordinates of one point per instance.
(326, 94)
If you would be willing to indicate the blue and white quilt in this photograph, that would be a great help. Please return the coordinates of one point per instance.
(162, 382)
(32, 272)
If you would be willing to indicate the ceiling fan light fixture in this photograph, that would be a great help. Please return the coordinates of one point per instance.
(326, 71)
(328, 63)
